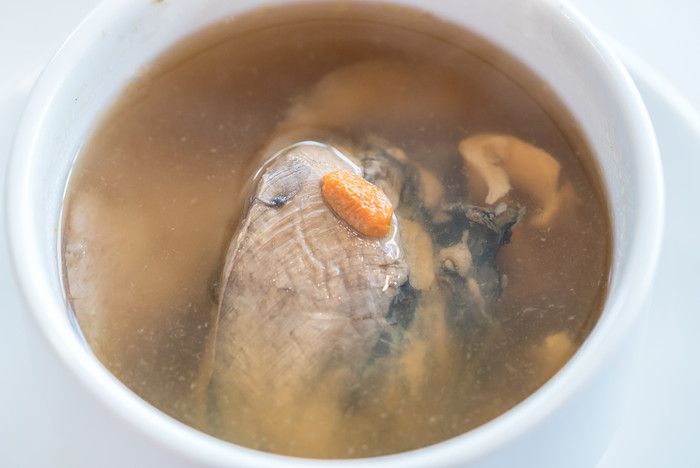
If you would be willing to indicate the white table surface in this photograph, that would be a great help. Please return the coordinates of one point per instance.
(663, 34)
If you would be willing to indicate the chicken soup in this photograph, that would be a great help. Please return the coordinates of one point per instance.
(335, 230)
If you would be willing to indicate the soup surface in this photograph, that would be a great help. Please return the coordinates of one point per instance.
(494, 272)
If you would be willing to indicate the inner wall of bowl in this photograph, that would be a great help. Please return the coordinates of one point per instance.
(86, 79)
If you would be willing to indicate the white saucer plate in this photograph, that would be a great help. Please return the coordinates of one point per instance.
(663, 424)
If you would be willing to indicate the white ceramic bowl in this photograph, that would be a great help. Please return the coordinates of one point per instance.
(568, 422)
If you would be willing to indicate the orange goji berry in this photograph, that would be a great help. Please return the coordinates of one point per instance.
(359, 203)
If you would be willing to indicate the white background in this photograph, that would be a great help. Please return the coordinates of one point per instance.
(663, 34)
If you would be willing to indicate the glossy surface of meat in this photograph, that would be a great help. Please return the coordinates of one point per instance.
(303, 298)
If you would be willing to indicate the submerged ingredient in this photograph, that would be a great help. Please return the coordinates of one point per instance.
(503, 162)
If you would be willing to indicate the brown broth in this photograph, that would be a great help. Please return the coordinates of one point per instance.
(156, 194)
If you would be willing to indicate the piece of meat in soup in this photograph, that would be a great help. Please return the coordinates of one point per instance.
(303, 297)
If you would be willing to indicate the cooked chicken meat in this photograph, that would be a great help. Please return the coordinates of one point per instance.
(303, 298)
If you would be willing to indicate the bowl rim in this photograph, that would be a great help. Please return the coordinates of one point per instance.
(622, 309)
